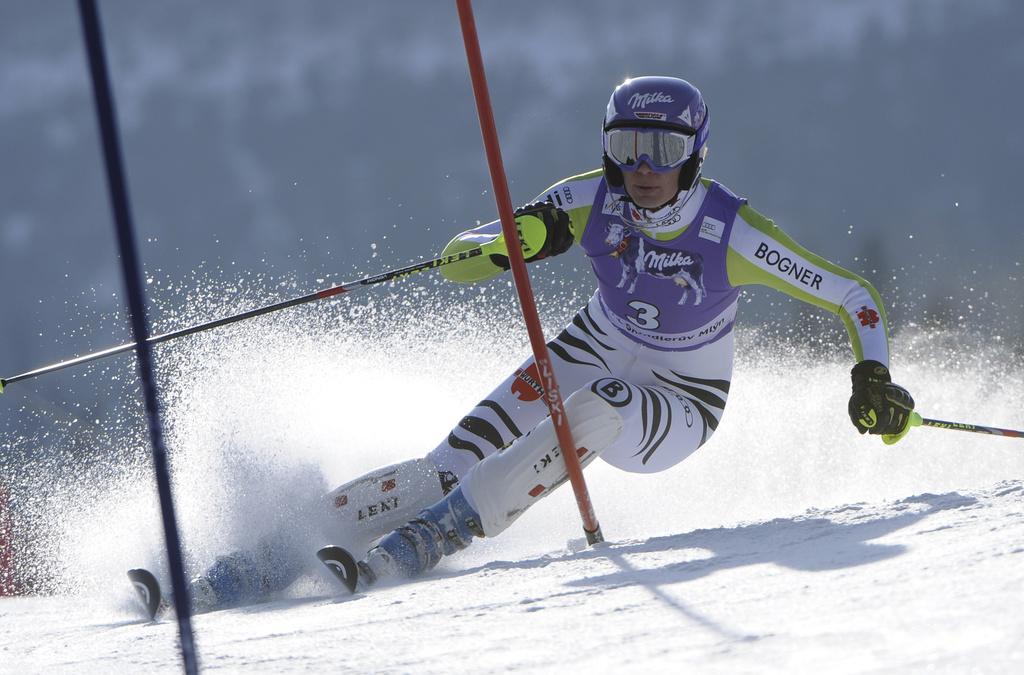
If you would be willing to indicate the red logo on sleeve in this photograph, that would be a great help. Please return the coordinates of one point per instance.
(527, 386)
(868, 317)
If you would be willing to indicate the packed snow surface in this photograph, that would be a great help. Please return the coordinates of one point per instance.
(932, 582)
(787, 544)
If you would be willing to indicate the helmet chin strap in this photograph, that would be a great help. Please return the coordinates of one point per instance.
(680, 194)
(653, 209)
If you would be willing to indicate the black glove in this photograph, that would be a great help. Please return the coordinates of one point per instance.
(878, 406)
(558, 237)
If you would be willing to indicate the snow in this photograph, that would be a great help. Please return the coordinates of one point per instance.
(787, 544)
(931, 582)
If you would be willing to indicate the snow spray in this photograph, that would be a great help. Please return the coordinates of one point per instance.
(265, 416)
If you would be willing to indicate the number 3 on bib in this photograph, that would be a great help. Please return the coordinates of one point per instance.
(646, 315)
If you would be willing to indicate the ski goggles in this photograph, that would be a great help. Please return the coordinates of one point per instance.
(660, 149)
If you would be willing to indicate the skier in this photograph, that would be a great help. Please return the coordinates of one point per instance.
(648, 360)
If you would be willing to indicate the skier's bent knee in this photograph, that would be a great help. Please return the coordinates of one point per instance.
(504, 485)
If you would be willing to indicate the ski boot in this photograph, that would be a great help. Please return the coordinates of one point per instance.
(416, 547)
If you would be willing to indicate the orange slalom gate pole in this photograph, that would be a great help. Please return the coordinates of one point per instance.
(552, 396)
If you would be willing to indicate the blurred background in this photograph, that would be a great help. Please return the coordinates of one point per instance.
(274, 148)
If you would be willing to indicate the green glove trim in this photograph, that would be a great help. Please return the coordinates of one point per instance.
(533, 233)
(495, 246)
(914, 421)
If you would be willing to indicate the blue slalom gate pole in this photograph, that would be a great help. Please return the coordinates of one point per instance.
(131, 272)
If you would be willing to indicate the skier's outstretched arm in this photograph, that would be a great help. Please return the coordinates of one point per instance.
(550, 232)
(761, 253)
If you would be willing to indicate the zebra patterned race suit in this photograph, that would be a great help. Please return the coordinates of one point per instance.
(647, 361)
(660, 321)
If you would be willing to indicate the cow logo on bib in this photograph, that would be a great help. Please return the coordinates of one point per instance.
(637, 257)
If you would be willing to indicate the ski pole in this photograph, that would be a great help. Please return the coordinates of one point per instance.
(917, 421)
(284, 304)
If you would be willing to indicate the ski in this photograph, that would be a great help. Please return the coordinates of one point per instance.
(148, 590)
(341, 564)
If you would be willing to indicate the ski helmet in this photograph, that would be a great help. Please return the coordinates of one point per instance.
(653, 103)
